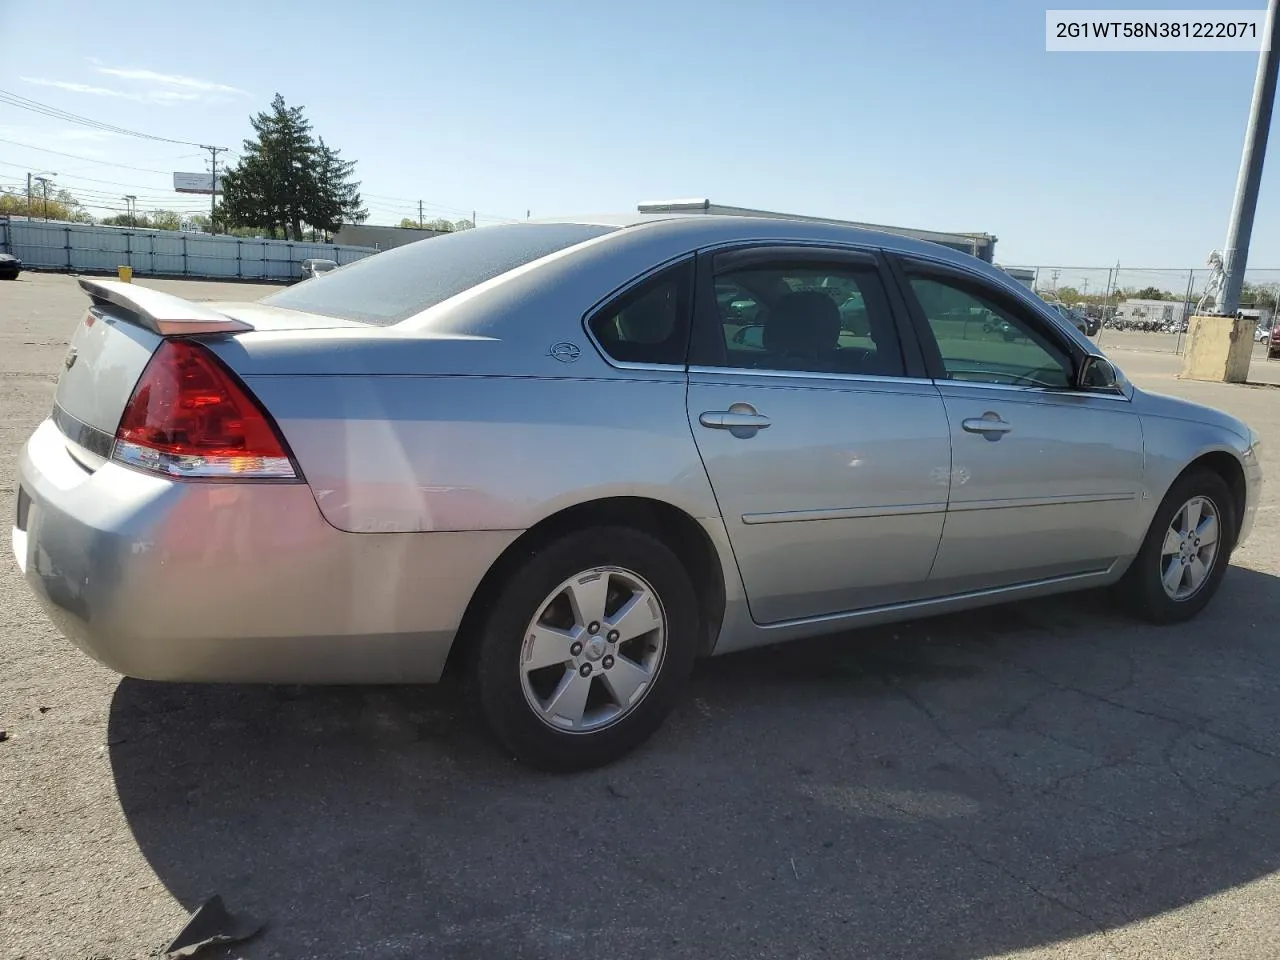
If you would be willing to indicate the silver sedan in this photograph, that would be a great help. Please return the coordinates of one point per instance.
(571, 457)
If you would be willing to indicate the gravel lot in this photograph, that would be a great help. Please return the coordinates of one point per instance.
(1048, 780)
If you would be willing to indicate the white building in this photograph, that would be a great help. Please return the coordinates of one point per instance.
(1160, 312)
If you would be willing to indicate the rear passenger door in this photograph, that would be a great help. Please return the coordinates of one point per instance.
(825, 444)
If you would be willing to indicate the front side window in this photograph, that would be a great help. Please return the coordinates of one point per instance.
(650, 322)
(809, 317)
(982, 341)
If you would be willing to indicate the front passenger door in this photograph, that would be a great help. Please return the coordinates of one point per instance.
(1044, 476)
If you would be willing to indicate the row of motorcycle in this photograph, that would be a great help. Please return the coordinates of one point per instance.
(1144, 325)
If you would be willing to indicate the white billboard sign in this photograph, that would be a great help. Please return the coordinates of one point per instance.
(196, 183)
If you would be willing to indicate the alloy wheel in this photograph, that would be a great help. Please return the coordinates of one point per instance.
(1190, 548)
(593, 650)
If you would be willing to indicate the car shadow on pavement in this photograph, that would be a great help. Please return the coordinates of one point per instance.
(953, 787)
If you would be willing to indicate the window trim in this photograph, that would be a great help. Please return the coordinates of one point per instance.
(707, 350)
(904, 267)
(689, 261)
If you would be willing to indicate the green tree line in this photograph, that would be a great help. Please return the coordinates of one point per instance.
(441, 224)
(1252, 294)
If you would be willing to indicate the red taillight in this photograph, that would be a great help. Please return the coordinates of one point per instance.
(190, 417)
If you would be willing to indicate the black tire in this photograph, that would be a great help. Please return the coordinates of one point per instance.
(501, 638)
(1141, 588)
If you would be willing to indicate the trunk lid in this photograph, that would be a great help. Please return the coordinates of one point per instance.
(106, 357)
(117, 337)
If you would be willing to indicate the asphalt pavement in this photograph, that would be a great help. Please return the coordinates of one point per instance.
(1045, 780)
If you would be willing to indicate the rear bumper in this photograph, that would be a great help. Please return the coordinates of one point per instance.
(172, 580)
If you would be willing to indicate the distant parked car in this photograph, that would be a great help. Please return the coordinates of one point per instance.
(1004, 328)
(1073, 318)
(1273, 345)
(10, 266)
(1262, 334)
(313, 268)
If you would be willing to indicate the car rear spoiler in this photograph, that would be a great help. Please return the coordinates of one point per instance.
(161, 313)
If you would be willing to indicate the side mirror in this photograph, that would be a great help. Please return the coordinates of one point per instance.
(1098, 373)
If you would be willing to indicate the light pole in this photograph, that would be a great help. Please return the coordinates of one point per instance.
(129, 200)
(44, 184)
(35, 176)
(1236, 253)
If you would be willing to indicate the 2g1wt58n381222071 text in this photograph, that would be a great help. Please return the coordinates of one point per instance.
(1154, 30)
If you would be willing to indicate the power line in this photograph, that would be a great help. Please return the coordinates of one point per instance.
(91, 199)
(435, 206)
(400, 206)
(84, 193)
(77, 176)
(35, 106)
(73, 156)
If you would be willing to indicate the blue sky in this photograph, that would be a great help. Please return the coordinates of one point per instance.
(923, 113)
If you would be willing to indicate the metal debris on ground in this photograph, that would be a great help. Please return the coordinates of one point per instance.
(209, 925)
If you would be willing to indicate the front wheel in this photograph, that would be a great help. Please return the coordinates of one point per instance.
(1186, 550)
(586, 648)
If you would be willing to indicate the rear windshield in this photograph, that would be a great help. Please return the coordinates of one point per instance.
(386, 288)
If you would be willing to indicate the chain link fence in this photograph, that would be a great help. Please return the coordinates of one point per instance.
(1145, 308)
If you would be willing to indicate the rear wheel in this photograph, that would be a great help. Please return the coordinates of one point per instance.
(586, 648)
(1186, 550)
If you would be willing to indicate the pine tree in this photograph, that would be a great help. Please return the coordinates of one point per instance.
(285, 178)
(335, 197)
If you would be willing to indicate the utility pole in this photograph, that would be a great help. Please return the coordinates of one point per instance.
(130, 200)
(44, 184)
(473, 218)
(28, 196)
(419, 214)
(1240, 228)
(213, 182)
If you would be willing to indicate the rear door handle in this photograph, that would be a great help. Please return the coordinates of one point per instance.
(733, 420)
(989, 425)
(741, 420)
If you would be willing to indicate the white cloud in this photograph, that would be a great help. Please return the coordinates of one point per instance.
(171, 79)
(158, 97)
(79, 88)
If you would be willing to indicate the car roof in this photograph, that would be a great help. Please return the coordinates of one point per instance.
(704, 228)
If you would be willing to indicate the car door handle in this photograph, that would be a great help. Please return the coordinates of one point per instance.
(733, 420)
(990, 426)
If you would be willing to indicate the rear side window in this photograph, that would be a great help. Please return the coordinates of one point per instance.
(808, 317)
(650, 322)
(386, 288)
